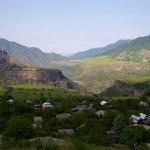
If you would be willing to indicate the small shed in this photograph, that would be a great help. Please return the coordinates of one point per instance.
(63, 116)
(103, 102)
(37, 122)
(66, 131)
(46, 105)
(29, 102)
(10, 101)
(143, 104)
(100, 113)
(78, 109)
(38, 119)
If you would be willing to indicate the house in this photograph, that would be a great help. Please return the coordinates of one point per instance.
(91, 107)
(46, 105)
(66, 131)
(37, 108)
(100, 113)
(38, 119)
(143, 116)
(37, 122)
(103, 102)
(10, 101)
(140, 119)
(143, 104)
(78, 109)
(135, 119)
(29, 102)
(63, 116)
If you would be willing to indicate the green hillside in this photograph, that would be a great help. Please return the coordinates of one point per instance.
(32, 56)
(128, 87)
(136, 50)
(36, 92)
(96, 51)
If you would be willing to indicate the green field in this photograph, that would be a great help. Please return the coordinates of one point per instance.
(37, 92)
(102, 60)
(137, 79)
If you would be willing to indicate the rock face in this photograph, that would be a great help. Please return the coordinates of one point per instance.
(13, 72)
(50, 77)
(39, 76)
(4, 63)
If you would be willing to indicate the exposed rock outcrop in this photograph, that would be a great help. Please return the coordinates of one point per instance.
(16, 73)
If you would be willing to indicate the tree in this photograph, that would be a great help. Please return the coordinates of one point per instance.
(19, 128)
(108, 119)
(133, 136)
(119, 123)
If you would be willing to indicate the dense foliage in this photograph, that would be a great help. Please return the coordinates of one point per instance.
(90, 131)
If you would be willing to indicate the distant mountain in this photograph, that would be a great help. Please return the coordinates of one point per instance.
(32, 56)
(132, 59)
(135, 50)
(96, 51)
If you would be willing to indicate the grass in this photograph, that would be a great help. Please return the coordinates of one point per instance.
(102, 60)
(137, 79)
(37, 92)
(36, 69)
(2, 91)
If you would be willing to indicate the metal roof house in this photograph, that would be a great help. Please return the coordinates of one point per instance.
(103, 102)
(10, 101)
(46, 105)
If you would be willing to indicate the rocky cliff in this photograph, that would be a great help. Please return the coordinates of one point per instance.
(49, 77)
(12, 72)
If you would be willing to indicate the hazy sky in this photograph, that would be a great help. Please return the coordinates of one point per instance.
(69, 26)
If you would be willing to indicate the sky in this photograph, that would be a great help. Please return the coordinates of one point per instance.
(70, 26)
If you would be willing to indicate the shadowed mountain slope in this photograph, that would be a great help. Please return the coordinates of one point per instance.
(33, 56)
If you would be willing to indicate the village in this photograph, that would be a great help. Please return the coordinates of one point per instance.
(51, 122)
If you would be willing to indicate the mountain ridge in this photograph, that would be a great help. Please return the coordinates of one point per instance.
(97, 51)
(136, 50)
(33, 56)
